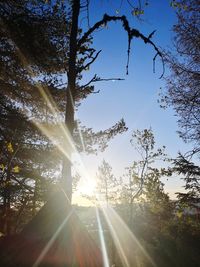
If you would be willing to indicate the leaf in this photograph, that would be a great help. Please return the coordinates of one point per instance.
(2, 167)
(10, 147)
(16, 169)
(179, 214)
(137, 12)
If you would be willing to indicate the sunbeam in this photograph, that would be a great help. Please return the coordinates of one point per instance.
(125, 241)
(67, 148)
(102, 240)
(116, 240)
(51, 241)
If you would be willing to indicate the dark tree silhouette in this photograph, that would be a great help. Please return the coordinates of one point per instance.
(191, 177)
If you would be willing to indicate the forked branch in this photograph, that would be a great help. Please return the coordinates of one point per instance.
(132, 32)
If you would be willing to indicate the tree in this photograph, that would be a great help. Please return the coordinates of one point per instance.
(24, 164)
(78, 46)
(107, 184)
(183, 94)
(182, 87)
(191, 177)
(139, 173)
(57, 44)
(157, 200)
(30, 77)
(27, 38)
(106, 193)
(130, 189)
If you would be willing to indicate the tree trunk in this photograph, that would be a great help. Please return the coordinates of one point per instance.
(35, 195)
(71, 88)
(6, 215)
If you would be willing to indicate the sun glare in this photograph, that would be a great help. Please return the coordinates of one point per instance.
(87, 187)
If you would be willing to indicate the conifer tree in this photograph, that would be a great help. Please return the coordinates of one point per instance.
(45, 43)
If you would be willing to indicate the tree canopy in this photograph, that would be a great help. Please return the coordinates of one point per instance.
(182, 91)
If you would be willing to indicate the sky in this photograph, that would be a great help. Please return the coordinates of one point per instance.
(135, 98)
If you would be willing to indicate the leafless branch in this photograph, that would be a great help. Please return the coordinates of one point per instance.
(95, 78)
(89, 63)
(132, 32)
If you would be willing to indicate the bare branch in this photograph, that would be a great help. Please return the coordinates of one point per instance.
(130, 31)
(87, 84)
(98, 79)
(109, 79)
(89, 63)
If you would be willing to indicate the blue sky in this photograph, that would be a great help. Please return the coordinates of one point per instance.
(134, 99)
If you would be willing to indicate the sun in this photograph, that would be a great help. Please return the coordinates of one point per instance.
(87, 187)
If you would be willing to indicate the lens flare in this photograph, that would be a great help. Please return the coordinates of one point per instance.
(125, 241)
(102, 240)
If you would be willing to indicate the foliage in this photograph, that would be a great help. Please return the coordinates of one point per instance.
(107, 184)
(42, 54)
(28, 159)
(182, 89)
(144, 143)
(191, 177)
(25, 167)
(34, 48)
(141, 175)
